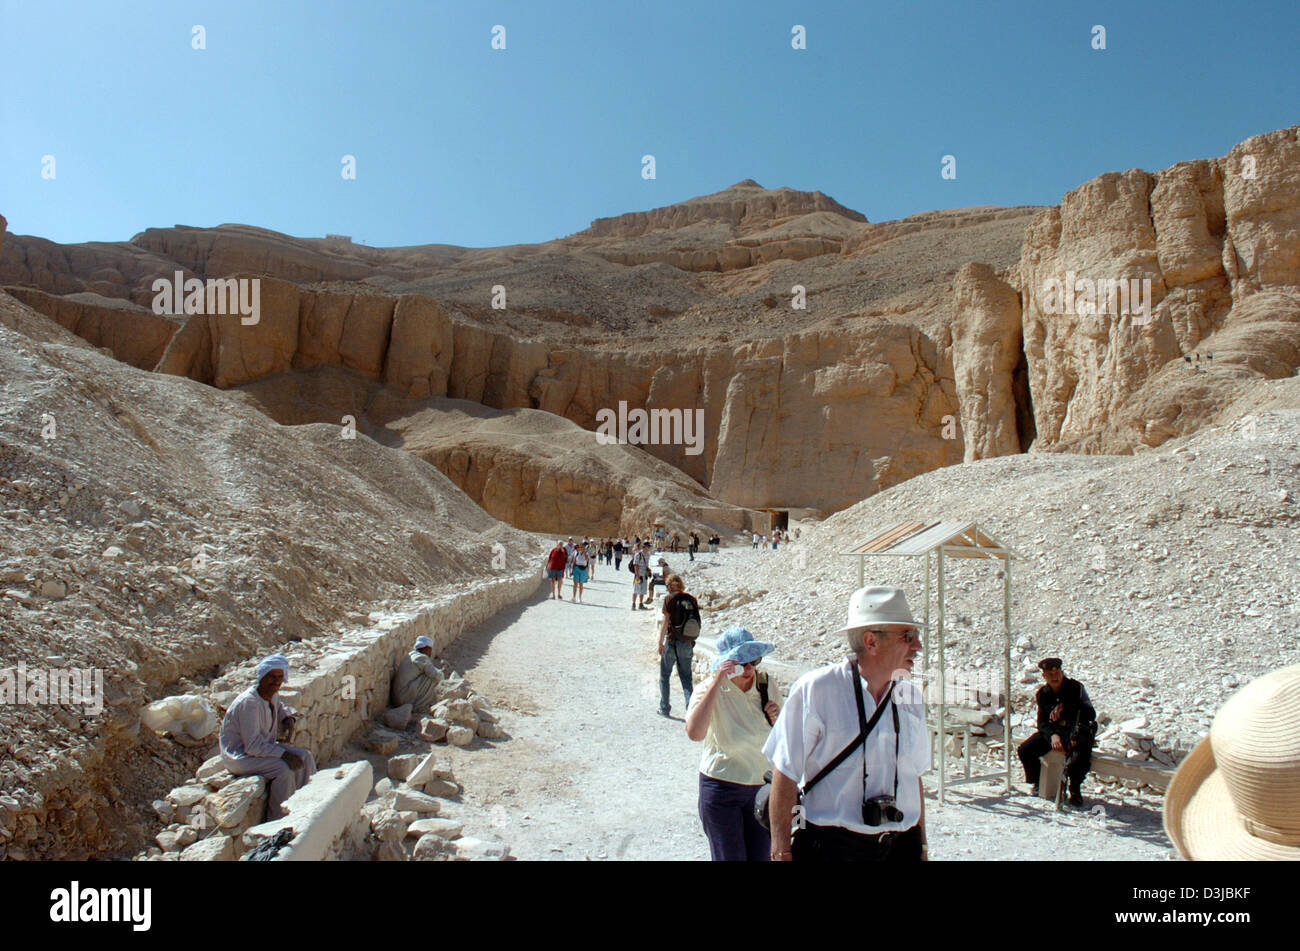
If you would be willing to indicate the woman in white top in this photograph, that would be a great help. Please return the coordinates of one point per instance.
(581, 562)
(733, 718)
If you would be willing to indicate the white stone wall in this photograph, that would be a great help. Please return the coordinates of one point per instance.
(339, 690)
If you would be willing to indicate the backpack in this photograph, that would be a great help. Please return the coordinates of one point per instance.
(685, 620)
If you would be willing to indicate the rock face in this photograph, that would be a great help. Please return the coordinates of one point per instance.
(771, 409)
(745, 225)
(697, 306)
(986, 346)
(1219, 242)
(134, 335)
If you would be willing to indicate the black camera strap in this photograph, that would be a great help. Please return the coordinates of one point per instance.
(893, 708)
(866, 726)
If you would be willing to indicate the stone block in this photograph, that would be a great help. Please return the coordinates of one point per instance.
(239, 800)
(441, 787)
(185, 797)
(432, 766)
(387, 825)
(446, 828)
(456, 711)
(216, 848)
(400, 767)
(460, 736)
(433, 731)
(410, 799)
(1049, 779)
(398, 717)
(384, 744)
(433, 848)
(480, 850)
(319, 813)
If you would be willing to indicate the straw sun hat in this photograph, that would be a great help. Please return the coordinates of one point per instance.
(1237, 795)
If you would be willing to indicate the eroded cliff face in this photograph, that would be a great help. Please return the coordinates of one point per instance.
(987, 349)
(816, 420)
(803, 408)
(1219, 242)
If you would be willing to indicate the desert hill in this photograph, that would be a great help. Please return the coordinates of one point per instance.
(157, 528)
(1165, 579)
(532, 469)
(924, 341)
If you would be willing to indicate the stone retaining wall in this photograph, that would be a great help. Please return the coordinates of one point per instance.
(338, 688)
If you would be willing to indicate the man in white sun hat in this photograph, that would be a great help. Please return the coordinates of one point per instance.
(851, 744)
(1237, 795)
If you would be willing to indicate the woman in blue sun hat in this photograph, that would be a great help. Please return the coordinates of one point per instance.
(733, 719)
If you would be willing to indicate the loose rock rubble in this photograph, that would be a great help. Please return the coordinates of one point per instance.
(207, 817)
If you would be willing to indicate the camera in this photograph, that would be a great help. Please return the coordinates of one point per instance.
(881, 809)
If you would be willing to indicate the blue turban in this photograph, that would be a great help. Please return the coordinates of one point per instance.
(274, 662)
(423, 641)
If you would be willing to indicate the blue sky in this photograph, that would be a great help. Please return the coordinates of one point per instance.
(458, 143)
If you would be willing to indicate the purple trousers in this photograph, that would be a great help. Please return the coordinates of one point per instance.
(727, 811)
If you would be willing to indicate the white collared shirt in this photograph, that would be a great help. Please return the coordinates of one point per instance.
(819, 719)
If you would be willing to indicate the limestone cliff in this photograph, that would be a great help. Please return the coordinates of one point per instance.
(1219, 242)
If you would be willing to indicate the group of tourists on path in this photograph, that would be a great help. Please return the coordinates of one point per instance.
(832, 771)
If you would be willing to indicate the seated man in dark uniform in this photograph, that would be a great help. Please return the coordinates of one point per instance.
(1066, 723)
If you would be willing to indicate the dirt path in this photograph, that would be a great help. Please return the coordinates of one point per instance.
(588, 770)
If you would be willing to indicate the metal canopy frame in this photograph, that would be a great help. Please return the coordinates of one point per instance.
(937, 541)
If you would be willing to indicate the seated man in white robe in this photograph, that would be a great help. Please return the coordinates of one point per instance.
(417, 678)
(249, 731)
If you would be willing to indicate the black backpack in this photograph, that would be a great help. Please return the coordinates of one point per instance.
(685, 617)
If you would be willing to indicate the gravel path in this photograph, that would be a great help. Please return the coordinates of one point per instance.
(588, 770)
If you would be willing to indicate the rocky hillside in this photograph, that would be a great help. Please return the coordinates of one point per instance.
(155, 528)
(923, 341)
(532, 469)
(1217, 240)
(1164, 579)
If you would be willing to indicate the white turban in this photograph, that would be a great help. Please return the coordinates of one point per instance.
(274, 662)
(423, 641)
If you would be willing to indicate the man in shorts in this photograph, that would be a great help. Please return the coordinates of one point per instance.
(640, 576)
(555, 564)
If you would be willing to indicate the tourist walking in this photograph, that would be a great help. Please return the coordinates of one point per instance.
(733, 720)
(852, 743)
(640, 567)
(556, 561)
(581, 565)
(678, 628)
(619, 548)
